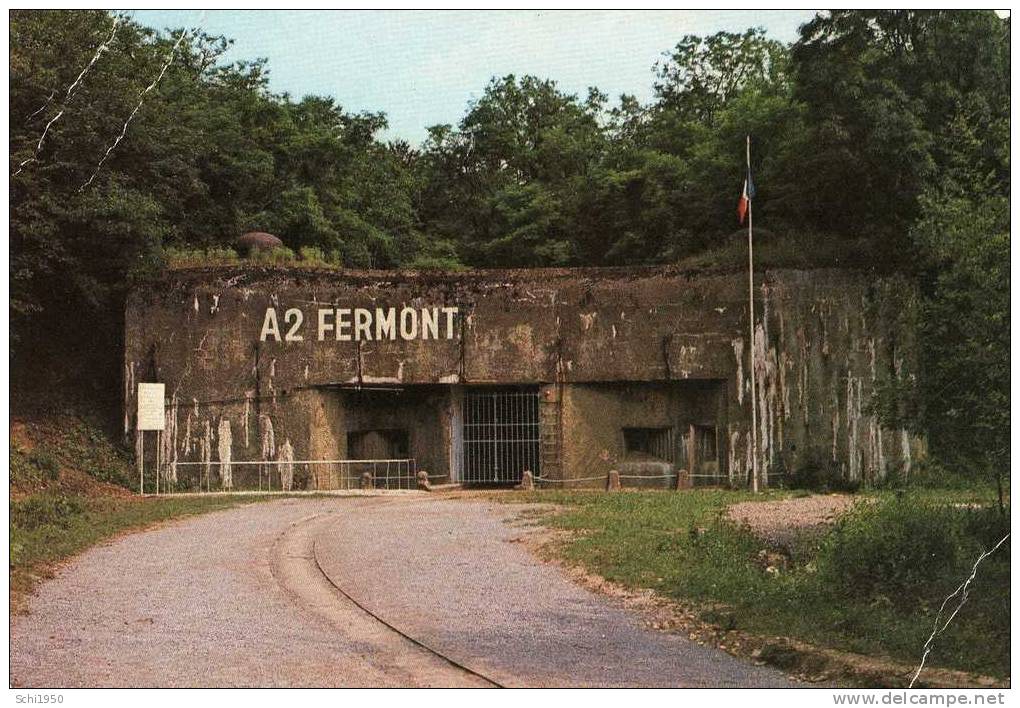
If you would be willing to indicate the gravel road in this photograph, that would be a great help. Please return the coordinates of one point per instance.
(252, 597)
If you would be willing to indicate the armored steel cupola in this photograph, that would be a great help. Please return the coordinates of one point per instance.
(257, 241)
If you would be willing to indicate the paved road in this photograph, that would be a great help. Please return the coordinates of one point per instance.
(283, 594)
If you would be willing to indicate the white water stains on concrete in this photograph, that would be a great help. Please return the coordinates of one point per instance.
(267, 437)
(169, 442)
(905, 451)
(186, 443)
(285, 458)
(246, 416)
(738, 355)
(835, 434)
(736, 467)
(369, 379)
(853, 416)
(764, 399)
(224, 448)
(816, 377)
(205, 450)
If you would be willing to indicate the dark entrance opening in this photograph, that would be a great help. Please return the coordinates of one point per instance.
(645, 443)
(501, 434)
(392, 443)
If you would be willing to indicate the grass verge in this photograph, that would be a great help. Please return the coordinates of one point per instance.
(871, 585)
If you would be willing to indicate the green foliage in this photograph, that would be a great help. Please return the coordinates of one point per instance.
(274, 256)
(23, 472)
(965, 381)
(313, 256)
(307, 256)
(45, 462)
(701, 74)
(882, 92)
(932, 474)
(901, 550)
(872, 584)
(70, 444)
(198, 257)
(45, 509)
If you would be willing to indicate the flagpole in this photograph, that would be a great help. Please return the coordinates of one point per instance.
(750, 300)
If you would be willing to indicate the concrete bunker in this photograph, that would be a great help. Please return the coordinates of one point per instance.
(275, 377)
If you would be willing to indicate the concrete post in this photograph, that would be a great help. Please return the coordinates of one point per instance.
(423, 481)
(527, 481)
(683, 480)
(613, 481)
(366, 480)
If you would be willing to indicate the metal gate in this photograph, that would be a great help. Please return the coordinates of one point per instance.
(501, 435)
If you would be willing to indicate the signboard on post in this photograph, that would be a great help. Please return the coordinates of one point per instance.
(150, 406)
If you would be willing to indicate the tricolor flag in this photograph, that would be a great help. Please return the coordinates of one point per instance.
(745, 197)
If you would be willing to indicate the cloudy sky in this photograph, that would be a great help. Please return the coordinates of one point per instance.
(422, 68)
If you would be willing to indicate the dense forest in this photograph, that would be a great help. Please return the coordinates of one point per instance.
(881, 140)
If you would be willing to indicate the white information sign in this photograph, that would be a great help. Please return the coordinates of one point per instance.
(150, 406)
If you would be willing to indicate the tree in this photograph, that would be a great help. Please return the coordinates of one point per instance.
(879, 89)
(204, 154)
(500, 185)
(965, 374)
(701, 74)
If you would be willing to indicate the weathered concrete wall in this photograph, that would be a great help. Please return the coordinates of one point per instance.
(823, 339)
(594, 416)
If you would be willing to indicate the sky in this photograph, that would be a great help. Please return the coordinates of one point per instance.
(422, 68)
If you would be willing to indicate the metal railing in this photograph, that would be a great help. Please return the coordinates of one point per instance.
(273, 476)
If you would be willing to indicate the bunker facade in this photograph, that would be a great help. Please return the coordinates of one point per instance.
(289, 375)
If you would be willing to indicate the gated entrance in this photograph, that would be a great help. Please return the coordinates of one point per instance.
(501, 434)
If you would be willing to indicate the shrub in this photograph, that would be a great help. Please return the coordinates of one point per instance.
(276, 256)
(196, 257)
(436, 263)
(112, 473)
(930, 474)
(45, 509)
(901, 550)
(314, 256)
(45, 462)
(23, 472)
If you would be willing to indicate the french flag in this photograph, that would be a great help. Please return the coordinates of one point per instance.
(745, 197)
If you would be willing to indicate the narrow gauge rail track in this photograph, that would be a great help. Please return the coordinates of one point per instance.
(296, 568)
